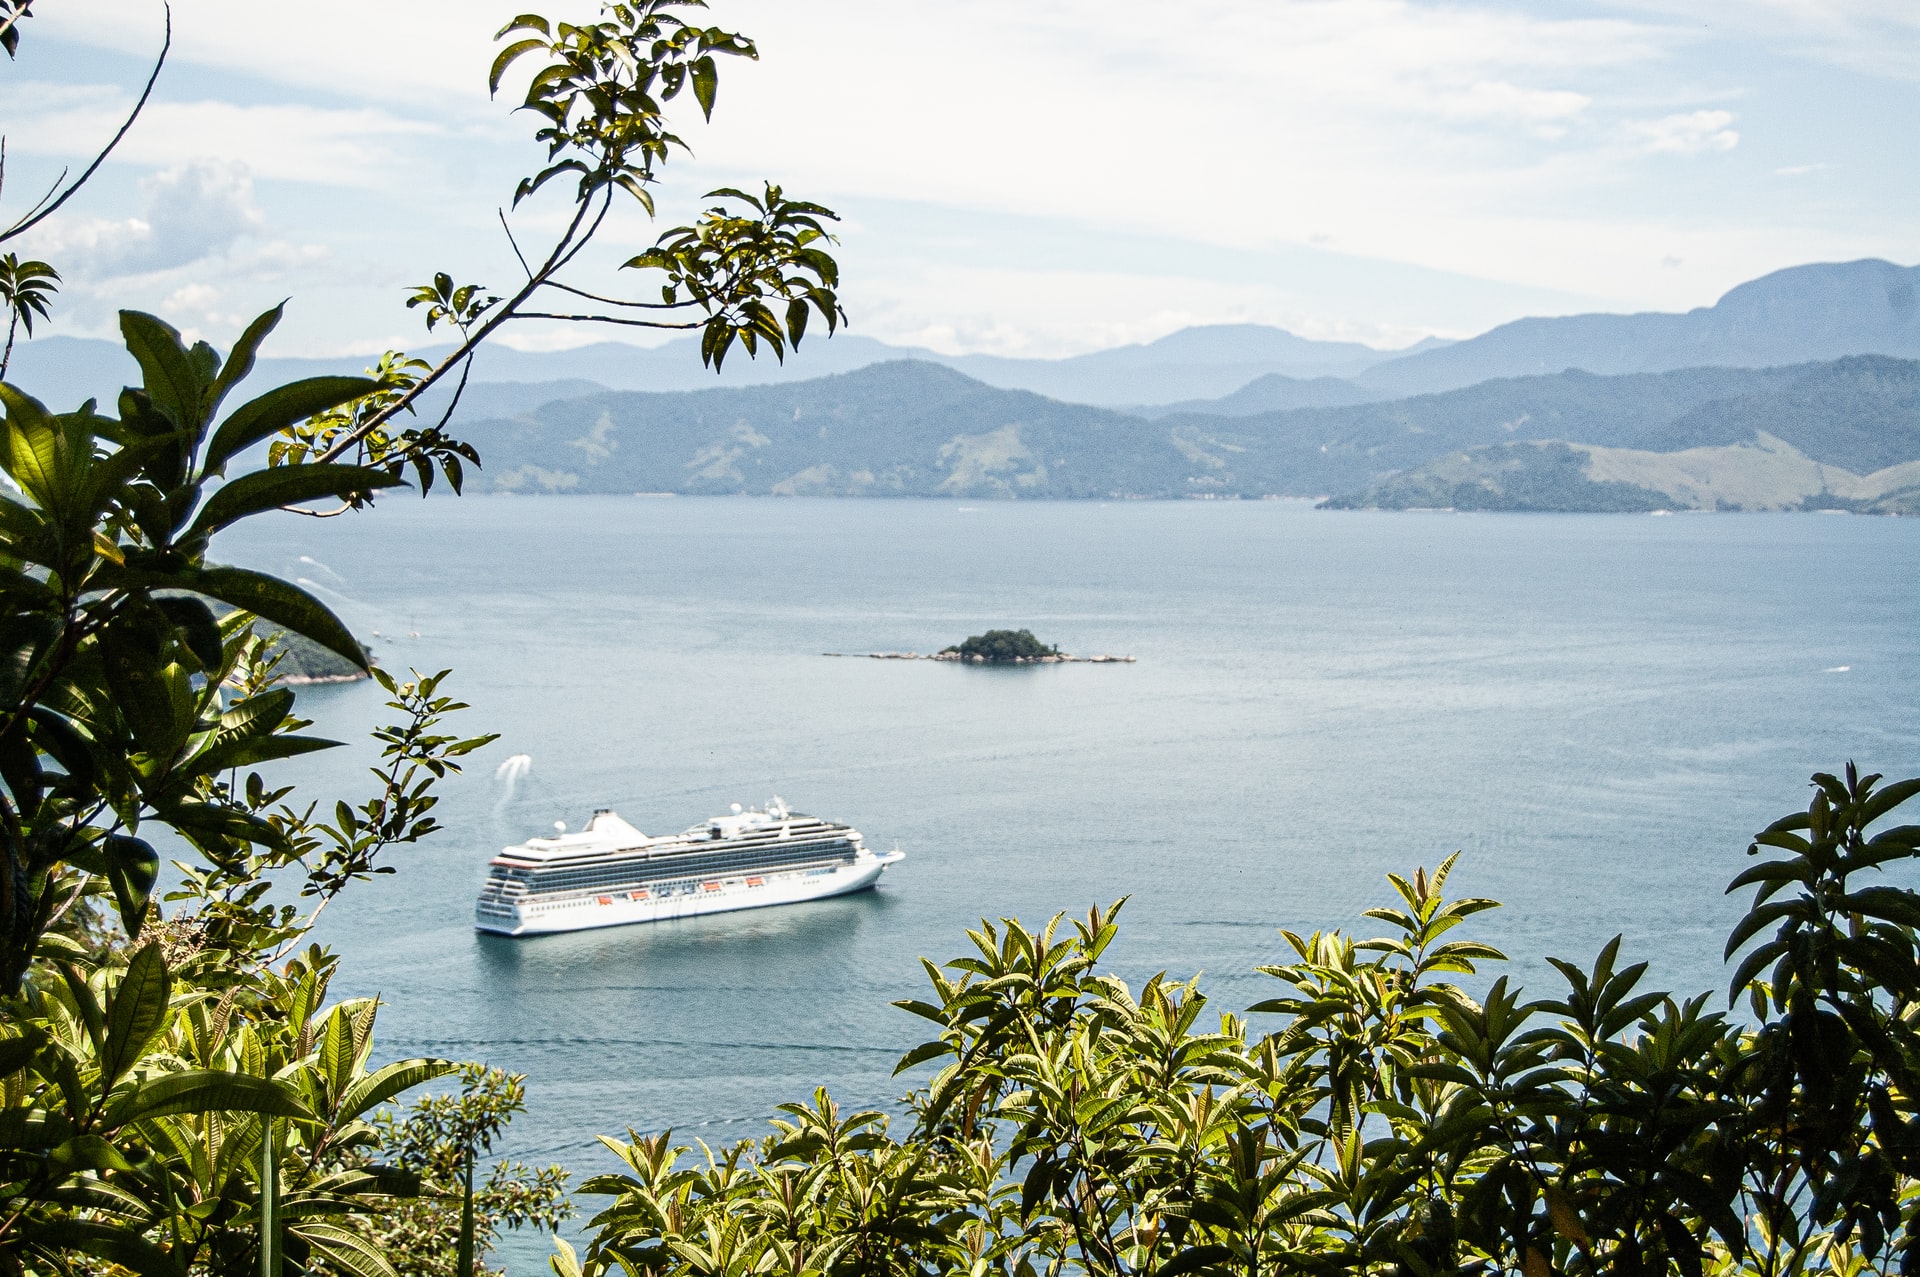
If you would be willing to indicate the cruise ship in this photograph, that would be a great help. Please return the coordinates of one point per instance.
(610, 873)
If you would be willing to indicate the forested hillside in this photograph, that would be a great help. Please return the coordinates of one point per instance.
(916, 429)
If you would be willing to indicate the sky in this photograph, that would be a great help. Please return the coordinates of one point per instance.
(1020, 177)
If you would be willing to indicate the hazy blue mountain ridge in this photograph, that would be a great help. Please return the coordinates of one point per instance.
(905, 428)
(1193, 363)
(1275, 392)
(917, 429)
(1801, 314)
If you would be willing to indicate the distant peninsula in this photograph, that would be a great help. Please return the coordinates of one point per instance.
(998, 647)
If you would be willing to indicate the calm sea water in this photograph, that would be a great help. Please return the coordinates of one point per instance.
(1597, 710)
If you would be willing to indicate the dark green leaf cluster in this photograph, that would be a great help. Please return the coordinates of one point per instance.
(439, 1139)
(1383, 1120)
(26, 292)
(125, 702)
(1003, 645)
(731, 266)
(603, 90)
(142, 1103)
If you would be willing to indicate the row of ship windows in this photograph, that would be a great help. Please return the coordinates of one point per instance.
(780, 848)
(655, 891)
(706, 866)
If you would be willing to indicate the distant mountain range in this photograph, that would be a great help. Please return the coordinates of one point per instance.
(1193, 363)
(918, 429)
(1792, 316)
(1797, 389)
(1799, 315)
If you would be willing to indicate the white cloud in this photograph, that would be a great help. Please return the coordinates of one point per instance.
(1687, 133)
(1546, 112)
(294, 141)
(1485, 142)
(191, 211)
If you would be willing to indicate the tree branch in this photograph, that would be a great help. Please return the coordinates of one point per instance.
(505, 311)
(617, 301)
(672, 326)
(38, 214)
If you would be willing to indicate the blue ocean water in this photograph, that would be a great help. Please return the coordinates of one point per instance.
(1598, 711)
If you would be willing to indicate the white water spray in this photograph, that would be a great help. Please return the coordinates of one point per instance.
(312, 562)
(510, 773)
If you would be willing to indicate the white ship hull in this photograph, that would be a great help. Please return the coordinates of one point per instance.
(539, 916)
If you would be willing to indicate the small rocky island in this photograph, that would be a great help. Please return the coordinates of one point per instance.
(999, 647)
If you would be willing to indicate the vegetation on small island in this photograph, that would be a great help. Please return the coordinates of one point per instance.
(1002, 647)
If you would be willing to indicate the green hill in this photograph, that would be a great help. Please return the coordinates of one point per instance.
(917, 429)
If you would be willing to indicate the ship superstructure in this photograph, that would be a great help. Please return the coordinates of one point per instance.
(610, 873)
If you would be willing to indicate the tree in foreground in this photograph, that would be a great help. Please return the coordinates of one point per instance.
(1373, 1117)
(177, 1095)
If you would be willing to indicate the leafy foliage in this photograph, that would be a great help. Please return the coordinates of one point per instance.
(750, 271)
(1382, 1119)
(996, 646)
(26, 291)
(438, 1140)
(175, 1098)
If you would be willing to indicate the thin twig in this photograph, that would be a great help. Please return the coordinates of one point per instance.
(466, 370)
(618, 301)
(34, 218)
(614, 319)
(501, 213)
(500, 315)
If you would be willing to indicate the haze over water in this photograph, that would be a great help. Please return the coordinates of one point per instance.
(1598, 710)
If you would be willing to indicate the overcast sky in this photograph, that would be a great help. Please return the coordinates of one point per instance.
(1026, 177)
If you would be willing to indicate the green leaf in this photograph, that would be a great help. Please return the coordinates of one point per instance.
(279, 408)
(138, 1010)
(56, 736)
(111, 1242)
(706, 83)
(17, 1052)
(172, 382)
(207, 1091)
(1193, 1260)
(88, 1153)
(240, 358)
(285, 485)
(277, 601)
(921, 1054)
(347, 1251)
(251, 753)
(199, 631)
(383, 1085)
(132, 869)
(508, 56)
(1886, 799)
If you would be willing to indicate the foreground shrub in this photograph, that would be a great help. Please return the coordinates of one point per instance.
(1372, 1117)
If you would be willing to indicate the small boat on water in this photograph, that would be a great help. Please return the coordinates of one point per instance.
(610, 874)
